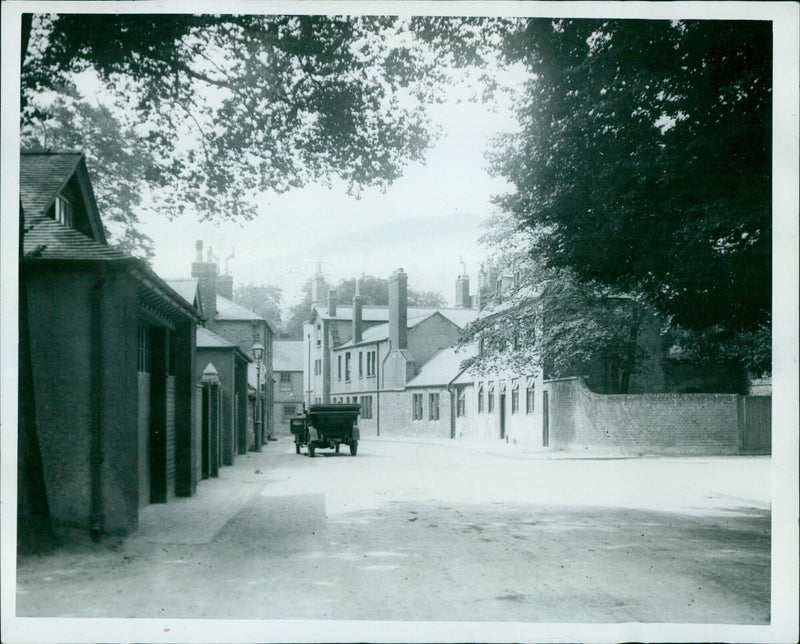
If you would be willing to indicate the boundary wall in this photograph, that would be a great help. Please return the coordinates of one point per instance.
(667, 423)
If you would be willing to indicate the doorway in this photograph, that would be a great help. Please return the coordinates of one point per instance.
(545, 420)
(502, 416)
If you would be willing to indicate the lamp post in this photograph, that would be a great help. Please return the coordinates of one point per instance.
(258, 417)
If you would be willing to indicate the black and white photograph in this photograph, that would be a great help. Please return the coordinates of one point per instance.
(399, 321)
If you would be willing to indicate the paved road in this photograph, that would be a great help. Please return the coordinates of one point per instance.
(435, 531)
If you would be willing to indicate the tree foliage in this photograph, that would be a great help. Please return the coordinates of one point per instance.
(266, 300)
(643, 161)
(116, 164)
(553, 321)
(230, 106)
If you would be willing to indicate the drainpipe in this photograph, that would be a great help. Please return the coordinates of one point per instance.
(377, 389)
(96, 449)
(452, 410)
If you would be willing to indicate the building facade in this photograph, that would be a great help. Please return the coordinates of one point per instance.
(287, 376)
(113, 359)
(245, 330)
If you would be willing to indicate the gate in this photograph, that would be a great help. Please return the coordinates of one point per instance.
(755, 424)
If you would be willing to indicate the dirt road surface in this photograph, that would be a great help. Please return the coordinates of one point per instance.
(434, 531)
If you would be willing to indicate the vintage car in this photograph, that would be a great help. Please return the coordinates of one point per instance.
(326, 426)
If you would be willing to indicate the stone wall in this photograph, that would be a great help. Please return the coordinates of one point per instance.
(641, 423)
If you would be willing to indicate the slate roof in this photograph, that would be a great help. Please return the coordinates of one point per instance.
(186, 288)
(207, 339)
(229, 310)
(42, 175)
(380, 332)
(287, 355)
(442, 368)
(46, 238)
(458, 316)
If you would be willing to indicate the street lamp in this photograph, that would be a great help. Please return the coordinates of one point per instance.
(258, 355)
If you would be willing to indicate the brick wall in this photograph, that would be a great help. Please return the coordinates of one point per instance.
(641, 423)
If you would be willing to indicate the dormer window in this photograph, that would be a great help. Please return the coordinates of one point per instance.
(63, 211)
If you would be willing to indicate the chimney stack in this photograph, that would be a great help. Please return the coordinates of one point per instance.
(462, 289)
(357, 315)
(398, 310)
(331, 302)
(206, 274)
(318, 287)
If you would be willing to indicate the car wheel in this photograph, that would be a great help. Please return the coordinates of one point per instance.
(353, 448)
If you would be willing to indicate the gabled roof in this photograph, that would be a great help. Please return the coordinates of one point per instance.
(443, 368)
(47, 242)
(186, 288)
(380, 332)
(207, 339)
(44, 174)
(345, 313)
(287, 355)
(229, 310)
(458, 316)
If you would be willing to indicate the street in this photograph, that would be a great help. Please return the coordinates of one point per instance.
(434, 531)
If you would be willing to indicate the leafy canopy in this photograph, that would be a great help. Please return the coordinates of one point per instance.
(643, 161)
(227, 107)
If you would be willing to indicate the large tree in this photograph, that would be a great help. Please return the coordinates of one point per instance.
(643, 161)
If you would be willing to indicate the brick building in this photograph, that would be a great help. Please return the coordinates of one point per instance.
(368, 354)
(113, 359)
(243, 328)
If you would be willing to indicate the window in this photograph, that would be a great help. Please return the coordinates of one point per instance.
(480, 398)
(371, 360)
(288, 412)
(286, 381)
(515, 399)
(366, 407)
(319, 335)
(63, 211)
(360, 364)
(347, 367)
(417, 406)
(529, 398)
(318, 365)
(339, 368)
(143, 349)
(490, 396)
(318, 400)
(433, 406)
(461, 401)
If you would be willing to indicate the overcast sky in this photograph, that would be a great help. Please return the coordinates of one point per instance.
(424, 223)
